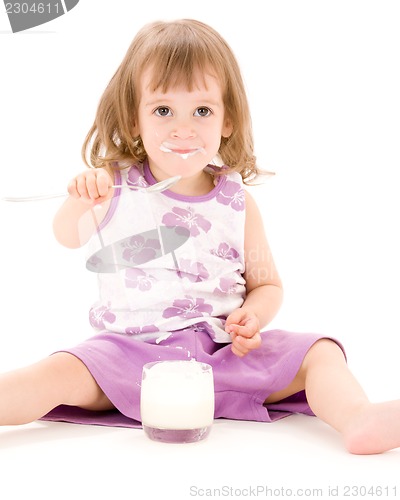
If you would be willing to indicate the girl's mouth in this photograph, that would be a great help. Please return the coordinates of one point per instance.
(184, 153)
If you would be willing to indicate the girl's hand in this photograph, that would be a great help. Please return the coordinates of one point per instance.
(92, 186)
(244, 329)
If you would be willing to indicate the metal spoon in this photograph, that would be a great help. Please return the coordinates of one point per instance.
(154, 188)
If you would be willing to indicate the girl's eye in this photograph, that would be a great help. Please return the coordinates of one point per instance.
(203, 111)
(163, 111)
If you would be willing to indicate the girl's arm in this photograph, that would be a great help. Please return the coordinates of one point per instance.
(263, 286)
(74, 222)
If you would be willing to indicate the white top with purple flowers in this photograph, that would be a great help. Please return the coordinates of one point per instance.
(168, 262)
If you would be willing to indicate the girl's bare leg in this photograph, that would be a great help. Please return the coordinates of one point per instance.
(336, 397)
(29, 393)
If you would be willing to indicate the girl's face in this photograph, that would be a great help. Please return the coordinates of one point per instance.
(181, 130)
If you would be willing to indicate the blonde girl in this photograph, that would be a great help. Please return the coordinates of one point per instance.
(176, 106)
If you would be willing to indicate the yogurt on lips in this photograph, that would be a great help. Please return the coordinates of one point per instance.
(182, 152)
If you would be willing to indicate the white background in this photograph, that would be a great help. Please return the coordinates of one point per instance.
(323, 81)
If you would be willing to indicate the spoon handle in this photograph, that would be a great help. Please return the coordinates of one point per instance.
(50, 196)
(158, 187)
(34, 198)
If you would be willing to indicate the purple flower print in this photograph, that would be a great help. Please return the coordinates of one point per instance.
(226, 286)
(188, 308)
(135, 178)
(193, 271)
(139, 249)
(136, 330)
(232, 194)
(136, 278)
(98, 315)
(187, 218)
(204, 327)
(226, 252)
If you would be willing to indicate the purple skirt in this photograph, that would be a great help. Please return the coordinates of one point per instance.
(241, 384)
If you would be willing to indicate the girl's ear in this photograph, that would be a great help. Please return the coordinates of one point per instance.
(227, 128)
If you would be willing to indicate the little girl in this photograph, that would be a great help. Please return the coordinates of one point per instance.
(175, 104)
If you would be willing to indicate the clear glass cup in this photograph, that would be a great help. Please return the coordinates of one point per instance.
(177, 401)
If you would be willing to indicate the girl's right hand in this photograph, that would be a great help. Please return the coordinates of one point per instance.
(92, 186)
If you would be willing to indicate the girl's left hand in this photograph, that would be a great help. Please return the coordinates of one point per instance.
(244, 329)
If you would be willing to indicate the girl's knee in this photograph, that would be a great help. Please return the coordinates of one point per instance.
(324, 351)
(81, 389)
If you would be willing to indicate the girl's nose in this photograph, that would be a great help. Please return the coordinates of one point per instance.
(183, 131)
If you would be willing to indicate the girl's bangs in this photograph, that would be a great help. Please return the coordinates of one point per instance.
(181, 69)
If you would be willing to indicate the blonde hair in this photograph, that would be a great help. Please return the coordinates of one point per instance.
(175, 51)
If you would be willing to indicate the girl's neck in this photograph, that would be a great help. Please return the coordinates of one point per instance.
(202, 185)
(197, 185)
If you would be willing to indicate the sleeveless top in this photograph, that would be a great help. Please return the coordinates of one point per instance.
(168, 262)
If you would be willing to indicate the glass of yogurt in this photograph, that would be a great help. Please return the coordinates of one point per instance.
(177, 401)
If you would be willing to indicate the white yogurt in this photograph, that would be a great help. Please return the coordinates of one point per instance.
(166, 147)
(177, 395)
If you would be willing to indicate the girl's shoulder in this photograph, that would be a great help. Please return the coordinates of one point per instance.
(225, 171)
(131, 173)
